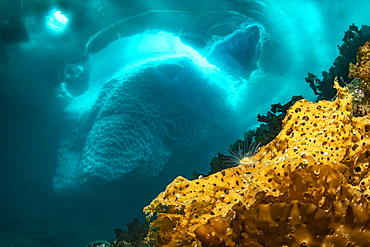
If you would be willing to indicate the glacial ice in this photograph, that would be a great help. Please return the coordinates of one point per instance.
(152, 103)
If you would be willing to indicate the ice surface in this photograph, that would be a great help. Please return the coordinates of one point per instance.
(149, 106)
(238, 53)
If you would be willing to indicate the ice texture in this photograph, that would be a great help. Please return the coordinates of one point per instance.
(158, 107)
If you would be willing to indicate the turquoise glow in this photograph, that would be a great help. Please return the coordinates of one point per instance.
(57, 21)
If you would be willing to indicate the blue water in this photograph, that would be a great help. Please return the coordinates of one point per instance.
(98, 116)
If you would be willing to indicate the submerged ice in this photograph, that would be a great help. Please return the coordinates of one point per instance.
(158, 104)
(238, 53)
(159, 91)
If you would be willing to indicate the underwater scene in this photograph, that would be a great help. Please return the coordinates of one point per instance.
(184, 123)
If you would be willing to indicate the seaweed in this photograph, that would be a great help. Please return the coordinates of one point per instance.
(272, 122)
(134, 237)
(353, 39)
(266, 132)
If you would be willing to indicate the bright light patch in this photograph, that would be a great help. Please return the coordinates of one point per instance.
(57, 21)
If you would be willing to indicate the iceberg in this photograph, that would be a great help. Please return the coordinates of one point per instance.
(161, 89)
(150, 106)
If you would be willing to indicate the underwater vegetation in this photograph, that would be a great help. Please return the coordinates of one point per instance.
(239, 150)
(309, 186)
(134, 236)
(343, 68)
(271, 122)
(352, 40)
(359, 87)
(263, 134)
